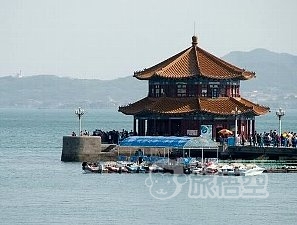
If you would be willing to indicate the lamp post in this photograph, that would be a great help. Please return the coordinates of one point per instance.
(79, 112)
(235, 112)
(280, 113)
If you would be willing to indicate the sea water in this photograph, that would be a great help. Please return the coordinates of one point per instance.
(37, 188)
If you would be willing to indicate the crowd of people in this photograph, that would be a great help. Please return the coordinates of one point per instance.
(112, 136)
(271, 138)
(107, 137)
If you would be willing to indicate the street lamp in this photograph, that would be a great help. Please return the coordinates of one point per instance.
(235, 112)
(280, 113)
(79, 112)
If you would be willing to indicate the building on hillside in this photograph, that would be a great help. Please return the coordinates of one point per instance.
(193, 93)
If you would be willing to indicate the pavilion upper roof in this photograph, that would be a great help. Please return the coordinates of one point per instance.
(194, 62)
(177, 106)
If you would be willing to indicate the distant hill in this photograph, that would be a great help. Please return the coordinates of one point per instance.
(49, 91)
(276, 73)
(273, 86)
(272, 69)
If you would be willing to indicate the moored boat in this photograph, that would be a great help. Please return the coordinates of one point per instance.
(227, 170)
(154, 168)
(91, 167)
(196, 170)
(240, 170)
(252, 170)
(135, 168)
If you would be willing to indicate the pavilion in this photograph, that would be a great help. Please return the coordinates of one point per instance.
(193, 93)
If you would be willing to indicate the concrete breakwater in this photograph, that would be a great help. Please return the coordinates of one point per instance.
(80, 148)
(87, 148)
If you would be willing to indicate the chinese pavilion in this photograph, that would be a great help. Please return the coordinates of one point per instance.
(193, 93)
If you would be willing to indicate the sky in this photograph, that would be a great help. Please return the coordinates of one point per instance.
(109, 39)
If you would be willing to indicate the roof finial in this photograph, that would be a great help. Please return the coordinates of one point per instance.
(194, 40)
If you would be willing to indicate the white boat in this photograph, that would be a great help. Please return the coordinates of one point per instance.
(112, 167)
(240, 170)
(197, 170)
(252, 170)
(131, 167)
(210, 169)
(227, 170)
(154, 168)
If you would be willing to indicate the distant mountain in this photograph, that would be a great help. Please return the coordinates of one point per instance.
(274, 85)
(276, 74)
(272, 69)
(49, 91)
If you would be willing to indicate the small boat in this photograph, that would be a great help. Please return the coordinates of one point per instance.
(135, 168)
(252, 170)
(197, 170)
(227, 170)
(91, 167)
(211, 170)
(154, 168)
(117, 167)
(113, 169)
(206, 170)
(240, 170)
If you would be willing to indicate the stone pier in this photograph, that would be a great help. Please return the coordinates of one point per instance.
(81, 148)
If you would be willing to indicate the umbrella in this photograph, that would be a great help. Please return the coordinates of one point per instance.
(225, 132)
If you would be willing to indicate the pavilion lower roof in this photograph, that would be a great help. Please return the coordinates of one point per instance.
(187, 105)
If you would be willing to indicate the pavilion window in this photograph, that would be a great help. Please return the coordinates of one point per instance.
(181, 90)
(204, 90)
(157, 90)
(215, 93)
(223, 91)
(214, 90)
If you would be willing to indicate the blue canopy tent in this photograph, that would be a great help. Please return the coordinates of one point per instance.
(169, 142)
(154, 141)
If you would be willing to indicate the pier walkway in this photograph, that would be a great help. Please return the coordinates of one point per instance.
(254, 152)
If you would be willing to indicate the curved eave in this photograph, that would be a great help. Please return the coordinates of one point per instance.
(163, 105)
(136, 107)
(216, 68)
(246, 75)
(219, 106)
(228, 105)
(229, 76)
(223, 106)
(257, 109)
(220, 113)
